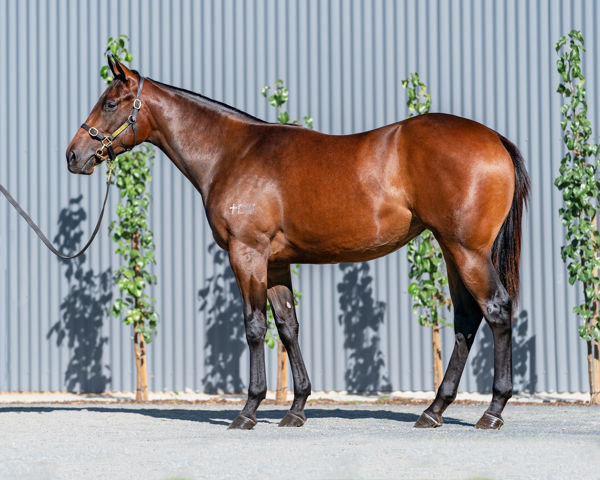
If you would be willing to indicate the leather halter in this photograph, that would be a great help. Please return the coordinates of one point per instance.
(107, 140)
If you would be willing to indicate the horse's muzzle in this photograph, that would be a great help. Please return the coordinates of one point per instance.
(73, 164)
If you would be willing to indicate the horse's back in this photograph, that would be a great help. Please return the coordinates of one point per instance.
(327, 198)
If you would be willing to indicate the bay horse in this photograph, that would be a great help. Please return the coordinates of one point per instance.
(277, 194)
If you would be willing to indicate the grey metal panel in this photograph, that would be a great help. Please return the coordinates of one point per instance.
(343, 62)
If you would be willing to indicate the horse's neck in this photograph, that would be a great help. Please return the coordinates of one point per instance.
(195, 133)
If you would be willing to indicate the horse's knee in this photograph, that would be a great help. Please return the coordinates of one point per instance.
(287, 326)
(285, 317)
(256, 328)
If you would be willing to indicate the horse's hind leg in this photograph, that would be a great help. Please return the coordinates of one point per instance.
(250, 268)
(467, 317)
(481, 279)
(281, 297)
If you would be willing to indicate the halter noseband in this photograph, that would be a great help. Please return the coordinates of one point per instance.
(107, 140)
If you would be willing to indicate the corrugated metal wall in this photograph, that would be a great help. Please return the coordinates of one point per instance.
(492, 61)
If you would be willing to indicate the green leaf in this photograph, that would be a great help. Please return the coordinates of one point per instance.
(133, 176)
(283, 117)
(426, 266)
(579, 183)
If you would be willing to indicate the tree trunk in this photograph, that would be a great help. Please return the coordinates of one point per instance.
(595, 398)
(139, 347)
(281, 394)
(593, 350)
(143, 368)
(593, 359)
(437, 356)
(138, 372)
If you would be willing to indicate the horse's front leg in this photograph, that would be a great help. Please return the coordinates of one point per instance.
(249, 265)
(281, 296)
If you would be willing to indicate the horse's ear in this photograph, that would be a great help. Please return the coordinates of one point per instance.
(116, 67)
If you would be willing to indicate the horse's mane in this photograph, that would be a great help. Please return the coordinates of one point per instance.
(206, 100)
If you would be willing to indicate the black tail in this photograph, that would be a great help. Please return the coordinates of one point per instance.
(507, 246)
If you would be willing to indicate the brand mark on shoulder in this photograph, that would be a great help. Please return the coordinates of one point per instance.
(242, 208)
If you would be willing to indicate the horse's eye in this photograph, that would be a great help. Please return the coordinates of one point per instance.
(110, 105)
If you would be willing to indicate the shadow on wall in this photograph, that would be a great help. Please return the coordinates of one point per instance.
(524, 367)
(225, 332)
(361, 319)
(83, 309)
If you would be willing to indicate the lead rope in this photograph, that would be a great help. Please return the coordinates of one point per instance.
(106, 141)
(39, 233)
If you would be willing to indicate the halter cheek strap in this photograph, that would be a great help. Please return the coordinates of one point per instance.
(107, 140)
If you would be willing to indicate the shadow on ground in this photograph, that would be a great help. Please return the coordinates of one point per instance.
(224, 417)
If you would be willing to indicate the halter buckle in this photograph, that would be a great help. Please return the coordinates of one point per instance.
(93, 131)
(106, 142)
(137, 104)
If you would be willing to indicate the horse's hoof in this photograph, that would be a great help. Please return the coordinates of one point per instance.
(242, 423)
(489, 422)
(429, 420)
(292, 420)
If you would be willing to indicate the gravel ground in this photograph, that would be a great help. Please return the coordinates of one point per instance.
(338, 442)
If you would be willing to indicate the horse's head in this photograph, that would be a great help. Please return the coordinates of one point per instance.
(113, 126)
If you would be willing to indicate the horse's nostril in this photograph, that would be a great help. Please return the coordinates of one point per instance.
(72, 157)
